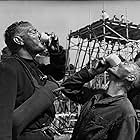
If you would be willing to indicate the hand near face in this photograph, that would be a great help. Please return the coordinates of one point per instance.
(54, 46)
(99, 65)
(102, 64)
(51, 42)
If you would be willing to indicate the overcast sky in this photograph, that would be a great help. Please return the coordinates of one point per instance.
(62, 16)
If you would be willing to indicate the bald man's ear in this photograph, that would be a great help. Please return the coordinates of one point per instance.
(131, 78)
(18, 40)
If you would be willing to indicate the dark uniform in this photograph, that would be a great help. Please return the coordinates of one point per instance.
(102, 117)
(135, 100)
(16, 86)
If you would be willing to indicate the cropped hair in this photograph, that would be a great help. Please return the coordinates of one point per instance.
(9, 34)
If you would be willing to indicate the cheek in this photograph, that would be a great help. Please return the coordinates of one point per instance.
(31, 42)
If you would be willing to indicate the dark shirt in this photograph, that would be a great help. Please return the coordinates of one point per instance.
(134, 96)
(102, 117)
(16, 87)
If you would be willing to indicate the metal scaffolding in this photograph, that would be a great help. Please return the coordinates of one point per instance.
(102, 38)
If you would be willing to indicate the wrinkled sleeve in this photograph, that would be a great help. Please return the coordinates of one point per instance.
(75, 89)
(127, 130)
(57, 65)
(7, 99)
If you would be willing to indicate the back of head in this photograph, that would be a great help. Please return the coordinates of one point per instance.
(10, 33)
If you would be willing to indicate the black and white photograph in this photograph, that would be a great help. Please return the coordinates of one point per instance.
(70, 70)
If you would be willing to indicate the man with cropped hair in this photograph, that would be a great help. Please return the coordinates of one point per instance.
(26, 88)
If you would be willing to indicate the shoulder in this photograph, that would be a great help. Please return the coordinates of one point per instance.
(10, 64)
(8, 74)
(9, 61)
(127, 108)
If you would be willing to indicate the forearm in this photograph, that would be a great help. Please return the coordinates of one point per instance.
(57, 65)
(58, 58)
(74, 86)
(28, 111)
(77, 80)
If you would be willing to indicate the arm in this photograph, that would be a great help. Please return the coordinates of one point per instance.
(57, 65)
(74, 86)
(28, 111)
(8, 90)
(127, 130)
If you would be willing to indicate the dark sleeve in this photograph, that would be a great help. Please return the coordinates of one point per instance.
(127, 129)
(57, 65)
(136, 102)
(8, 90)
(75, 89)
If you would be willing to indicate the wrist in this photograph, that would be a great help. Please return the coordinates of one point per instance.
(92, 72)
(59, 50)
